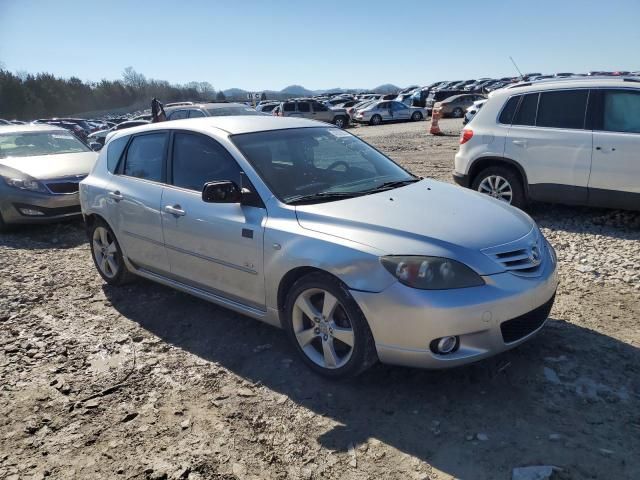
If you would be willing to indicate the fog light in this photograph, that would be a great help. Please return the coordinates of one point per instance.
(30, 212)
(444, 345)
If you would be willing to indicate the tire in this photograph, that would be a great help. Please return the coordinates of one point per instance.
(107, 255)
(491, 181)
(375, 120)
(3, 226)
(416, 117)
(319, 340)
(340, 121)
(457, 113)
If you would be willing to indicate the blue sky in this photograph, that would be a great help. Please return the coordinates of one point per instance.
(270, 44)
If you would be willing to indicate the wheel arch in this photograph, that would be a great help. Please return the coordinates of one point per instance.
(90, 220)
(295, 274)
(484, 162)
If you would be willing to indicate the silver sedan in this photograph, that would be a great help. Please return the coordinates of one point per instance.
(302, 225)
(40, 169)
(388, 111)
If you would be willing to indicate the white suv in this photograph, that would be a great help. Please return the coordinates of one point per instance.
(574, 141)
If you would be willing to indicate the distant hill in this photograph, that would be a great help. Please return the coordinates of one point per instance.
(239, 94)
(236, 93)
(297, 90)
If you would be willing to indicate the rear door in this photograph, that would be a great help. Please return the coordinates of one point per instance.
(615, 171)
(548, 138)
(304, 109)
(400, 111)
(213, 246)
(135, 198)
(322, 112)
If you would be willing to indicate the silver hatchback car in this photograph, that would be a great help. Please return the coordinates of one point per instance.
(304, 226)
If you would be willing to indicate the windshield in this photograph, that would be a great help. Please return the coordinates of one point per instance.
(29, 144)
(320, 160)
(231, 110)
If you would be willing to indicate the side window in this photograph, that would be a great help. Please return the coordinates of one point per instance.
(506, 116)
(145, 156)
(197, 160)
(196, 113)
(304, 107)
(178, 115)
(289, 107)
(399, 106)
(621, 111)
(318, 107)
(526, 114)
(562, 109)
(114, 152)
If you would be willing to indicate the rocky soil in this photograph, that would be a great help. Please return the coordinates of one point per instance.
(143, 382)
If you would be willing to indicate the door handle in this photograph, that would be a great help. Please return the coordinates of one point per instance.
(521, 143)
(606, 150)
(117, 196)
(175, 210)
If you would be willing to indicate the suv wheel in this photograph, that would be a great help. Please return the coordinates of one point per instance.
(107, 255)
(376, 120)
(501, 183)
(340, 122)
(327, 327)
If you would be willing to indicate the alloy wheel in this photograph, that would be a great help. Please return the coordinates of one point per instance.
(496, 187)
(104, 250)
(322, 328)
(339, 122)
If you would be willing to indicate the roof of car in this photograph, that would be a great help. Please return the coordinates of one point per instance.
(455, 97)
(233, 124)
(30, 128)
(579, 82)
(209, 105)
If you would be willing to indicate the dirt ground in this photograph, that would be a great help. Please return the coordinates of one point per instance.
(145, 382)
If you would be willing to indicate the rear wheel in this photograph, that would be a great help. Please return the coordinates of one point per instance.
(107, 255)
(502, 184)
(457, 113)
(416, 117)
(376, 120)
(327, 327)
(3, 226)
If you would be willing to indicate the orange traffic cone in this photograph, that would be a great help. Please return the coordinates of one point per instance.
(435, 116)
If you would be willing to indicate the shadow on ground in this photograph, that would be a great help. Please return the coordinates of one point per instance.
(568, 381)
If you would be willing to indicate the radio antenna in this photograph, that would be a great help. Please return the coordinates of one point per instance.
(514, 64)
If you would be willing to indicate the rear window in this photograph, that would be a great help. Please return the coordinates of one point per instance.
(526, 114)
(506, 117)
(562, 109)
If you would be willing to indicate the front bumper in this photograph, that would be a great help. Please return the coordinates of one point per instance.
(404, 321)
(52, 207)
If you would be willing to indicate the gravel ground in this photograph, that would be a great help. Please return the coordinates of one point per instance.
(144, 382)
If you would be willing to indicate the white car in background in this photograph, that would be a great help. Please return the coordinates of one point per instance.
(573, 141)
(473, 110)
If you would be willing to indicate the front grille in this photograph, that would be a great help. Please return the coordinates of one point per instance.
(524, 257)
(519, 327)
(63, 187)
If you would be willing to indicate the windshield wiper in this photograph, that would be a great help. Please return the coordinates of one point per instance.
(321, 197)
(393, 184)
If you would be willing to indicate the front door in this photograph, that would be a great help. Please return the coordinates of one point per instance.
(615, 172)
(214, 246)
(135, 197)
(400, 111)
(548, 138)
(322, 112)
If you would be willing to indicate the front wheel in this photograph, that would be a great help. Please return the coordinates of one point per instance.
(416, 117)
(502, 184)
(107, 255)
(457, 113)
(327, 327)
(340, 122)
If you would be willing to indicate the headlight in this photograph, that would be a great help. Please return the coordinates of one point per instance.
(431, 273)
(25, 184)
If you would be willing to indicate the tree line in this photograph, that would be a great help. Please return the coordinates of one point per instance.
(28, 96)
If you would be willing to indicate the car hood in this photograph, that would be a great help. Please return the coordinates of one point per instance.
(52, 166)
(424, 218)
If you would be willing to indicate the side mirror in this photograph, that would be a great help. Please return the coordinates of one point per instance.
(224, 191)
(95, 146)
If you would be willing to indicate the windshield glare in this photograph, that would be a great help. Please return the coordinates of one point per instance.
(319, 160)
(29, 144)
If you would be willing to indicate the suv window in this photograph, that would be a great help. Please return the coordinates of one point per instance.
(114, 152)
(621, 111)
(145, 156)
(178, 115)
(196, 113)
(197, 160)
(318, 107)
(562, 109)
(304, 107)
(289, 107)
(526, 114)
(506, 117)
